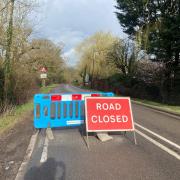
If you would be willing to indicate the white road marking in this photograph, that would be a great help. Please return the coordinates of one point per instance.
(40, 142)
(27, 157)
(49, 134)
(177, 156)
(157, 135)
(45, 150)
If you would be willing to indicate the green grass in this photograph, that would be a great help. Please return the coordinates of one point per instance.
(10, 118)
(170, 108)
(46, 89)
(160, 106)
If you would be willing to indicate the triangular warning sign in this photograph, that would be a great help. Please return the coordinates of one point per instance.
(44, 70)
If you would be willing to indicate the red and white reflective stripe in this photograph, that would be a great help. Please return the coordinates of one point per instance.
(95, 95)
(76, 97)
(67, 97)
(56, 98)
(85, 95)
(72, 97)
(90, 95)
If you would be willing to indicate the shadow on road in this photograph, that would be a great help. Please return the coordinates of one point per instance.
(50, 170)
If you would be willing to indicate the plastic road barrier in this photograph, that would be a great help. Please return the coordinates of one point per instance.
(62, 110)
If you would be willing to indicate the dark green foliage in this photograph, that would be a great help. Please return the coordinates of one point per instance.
(130, 14)
(123, 55)
(161, 19)
(158, 25)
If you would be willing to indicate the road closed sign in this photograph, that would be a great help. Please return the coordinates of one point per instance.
(108, 114)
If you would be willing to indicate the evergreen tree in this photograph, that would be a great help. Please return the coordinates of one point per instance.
(155, 24)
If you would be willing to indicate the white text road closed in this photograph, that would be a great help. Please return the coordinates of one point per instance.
(109, 119)
(108, 114)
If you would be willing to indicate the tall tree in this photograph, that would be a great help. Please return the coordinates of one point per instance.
(14, 34)
(123, 54)
(7, 62)
(155, 24)
(93, 53)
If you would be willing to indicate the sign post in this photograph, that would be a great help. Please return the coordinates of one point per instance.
(43, 76)
(87, 79)
(108, 114)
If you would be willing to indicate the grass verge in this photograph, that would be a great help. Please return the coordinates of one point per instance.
(160, 106)
(9, 119)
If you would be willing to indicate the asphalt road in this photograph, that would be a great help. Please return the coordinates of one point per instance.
(68, 157)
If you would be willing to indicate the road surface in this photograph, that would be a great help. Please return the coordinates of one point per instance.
(66, 156)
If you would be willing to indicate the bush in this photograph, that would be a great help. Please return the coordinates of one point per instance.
(1, 84)
(25, 83)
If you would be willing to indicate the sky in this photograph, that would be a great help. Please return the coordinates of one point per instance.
(71, 21)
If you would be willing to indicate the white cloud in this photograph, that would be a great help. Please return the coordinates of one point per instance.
(70, 21)
(71, 57)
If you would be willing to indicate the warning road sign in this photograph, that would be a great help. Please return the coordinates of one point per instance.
(108, 114)
(43, 76)
(43, 70)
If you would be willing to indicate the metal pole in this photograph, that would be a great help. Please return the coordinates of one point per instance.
(92, 78)
(135, 141)
(87, 138)
(43, 82)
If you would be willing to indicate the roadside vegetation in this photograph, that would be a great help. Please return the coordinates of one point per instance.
(146, 65)
(17, 113)
(21, 58)
(22, 55)
(160, 106)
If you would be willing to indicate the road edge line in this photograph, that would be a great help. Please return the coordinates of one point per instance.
(158, 136)
(27, 156)
(45, 150)
(164, 148)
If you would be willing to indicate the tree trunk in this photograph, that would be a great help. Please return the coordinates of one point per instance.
(7, 62)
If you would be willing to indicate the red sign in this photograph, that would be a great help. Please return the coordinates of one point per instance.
(43, 69)
(108, 114)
